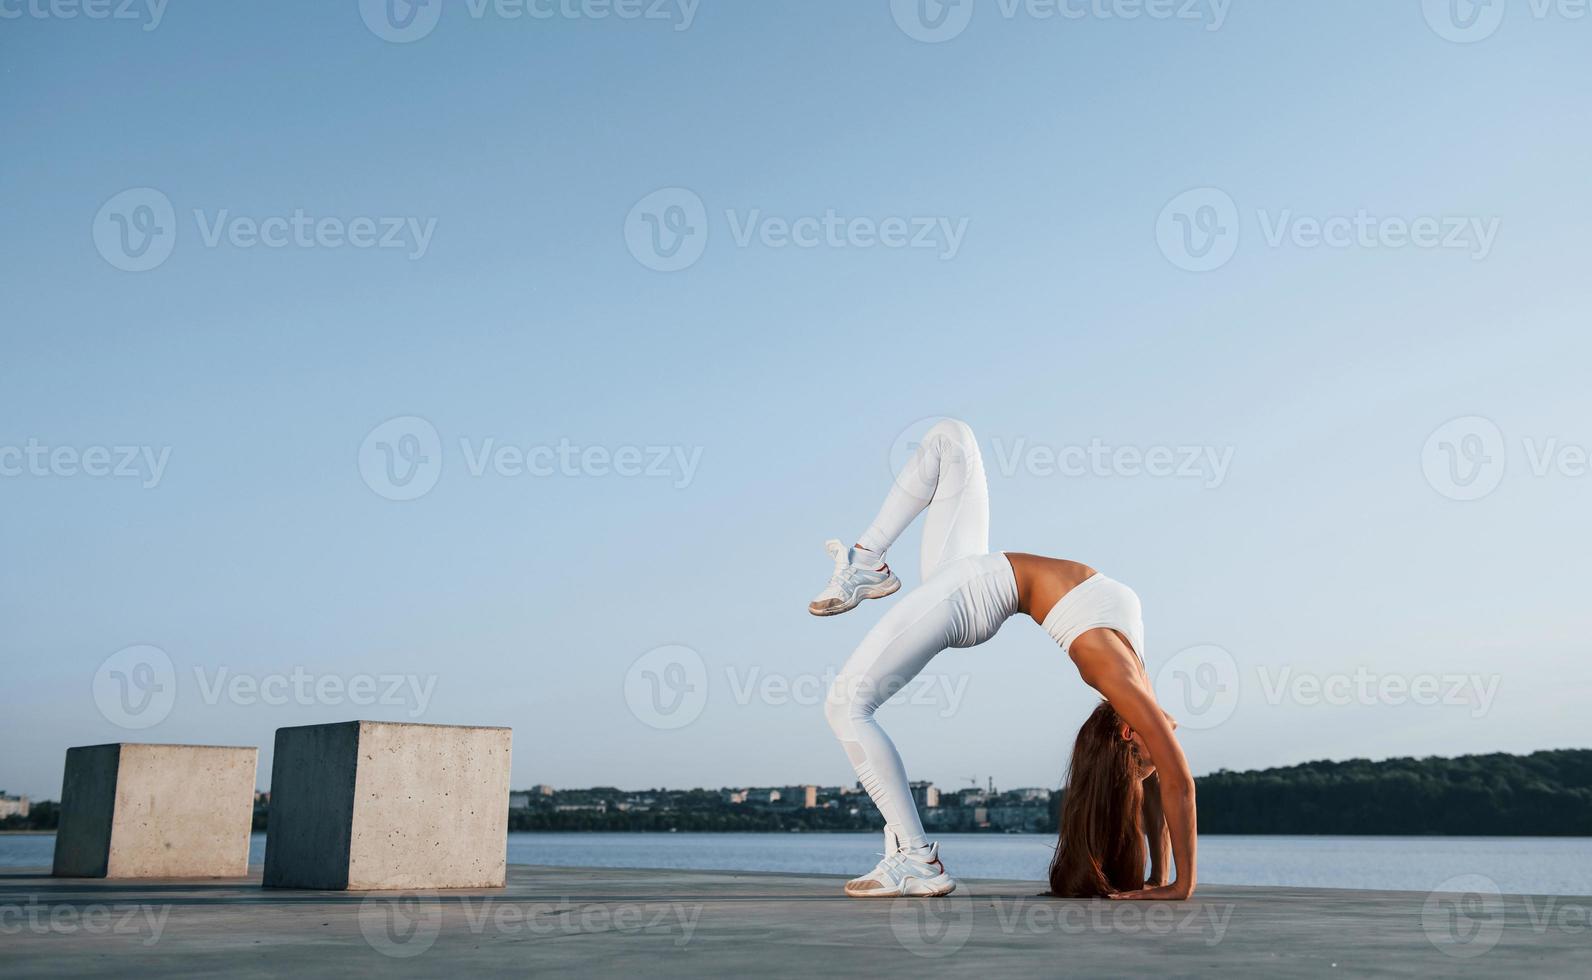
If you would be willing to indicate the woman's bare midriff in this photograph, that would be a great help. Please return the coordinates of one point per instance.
(1041, 582)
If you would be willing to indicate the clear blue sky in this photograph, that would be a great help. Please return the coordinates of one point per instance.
(1060, 320)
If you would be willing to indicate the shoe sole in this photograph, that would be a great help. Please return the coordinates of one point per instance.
(913, 888)
(871, 592)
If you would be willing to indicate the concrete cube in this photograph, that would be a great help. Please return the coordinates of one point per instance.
(156, 811)
(368, 805)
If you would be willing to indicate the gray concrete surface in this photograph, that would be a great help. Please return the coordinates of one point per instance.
(149, 811)
(364, 805)
(682, 923)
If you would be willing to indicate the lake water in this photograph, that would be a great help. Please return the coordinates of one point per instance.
(1522, 865)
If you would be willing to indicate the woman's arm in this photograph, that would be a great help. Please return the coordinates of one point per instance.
(1115, 674)
(1155, 833)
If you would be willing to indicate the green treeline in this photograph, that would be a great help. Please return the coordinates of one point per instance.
(1542, 794)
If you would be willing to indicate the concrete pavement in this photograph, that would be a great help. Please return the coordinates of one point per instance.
(684, 923)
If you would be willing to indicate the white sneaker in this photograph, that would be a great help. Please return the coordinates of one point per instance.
(851, 584)
(903, 873)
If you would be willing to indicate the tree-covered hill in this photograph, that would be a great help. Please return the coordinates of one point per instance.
(1545, 793)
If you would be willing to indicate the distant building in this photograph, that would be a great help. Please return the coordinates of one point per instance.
(581, 807)
(733, 795)
(805, 797)
(970, 797)
(519, 801)
(1031, 794)
(1024, 818)
(762, 796)
(925, 795)
(542, 789)
(13, 806)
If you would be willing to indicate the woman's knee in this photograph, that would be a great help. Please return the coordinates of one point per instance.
(952, 431)
(847, 704)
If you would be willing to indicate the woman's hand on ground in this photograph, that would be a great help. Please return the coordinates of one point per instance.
(1175, 892)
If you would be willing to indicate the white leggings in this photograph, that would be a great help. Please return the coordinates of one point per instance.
(965, 596)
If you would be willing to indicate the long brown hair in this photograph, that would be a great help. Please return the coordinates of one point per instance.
(1101, 849)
